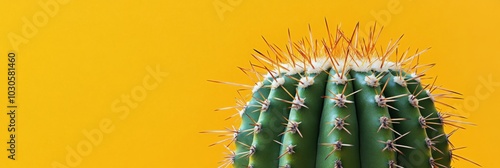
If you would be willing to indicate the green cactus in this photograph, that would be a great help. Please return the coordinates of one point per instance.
(342, 103)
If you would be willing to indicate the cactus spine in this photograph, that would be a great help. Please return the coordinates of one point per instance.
(342, 103)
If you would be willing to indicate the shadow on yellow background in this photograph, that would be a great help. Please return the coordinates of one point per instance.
(123, 84)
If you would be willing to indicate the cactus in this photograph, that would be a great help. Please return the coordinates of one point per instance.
(341, 102)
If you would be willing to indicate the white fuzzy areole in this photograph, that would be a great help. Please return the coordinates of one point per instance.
(257, 86)
(339, 79)
(265, 105)
(400, 80)
(257, 128)
(377, 66)
(268, 75)
(372, 81)
(298, 103)
(414, 76)
(430, 95)
(242, 111)
(413, 100)
(340, 100)
(393, 66)
(278, 82)
(381, 101)
(339, 65)
(361, 66)
(321, 64)
(306, 82)
(294, 69)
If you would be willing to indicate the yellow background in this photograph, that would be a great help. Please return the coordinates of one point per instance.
(90, 53)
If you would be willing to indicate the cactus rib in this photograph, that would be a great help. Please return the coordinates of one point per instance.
(299, 141)
(264, 151)
(250, 114)
(338, 141)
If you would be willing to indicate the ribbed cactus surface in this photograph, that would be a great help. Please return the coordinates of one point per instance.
(341, 102)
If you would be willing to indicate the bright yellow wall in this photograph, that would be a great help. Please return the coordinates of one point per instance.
(81, 61)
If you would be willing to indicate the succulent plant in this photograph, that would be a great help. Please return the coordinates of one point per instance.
(341, 102)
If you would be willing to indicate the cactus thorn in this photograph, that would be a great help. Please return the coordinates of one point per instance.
(228, 159)
(446, 115)
(382, 101)
(392, 146)
(306, 81)
(417, 54)
(264, 105)
(420, 91)
(448, 90)
(340, 124)
(256, 129)
(458, 148)
(429, 66)
(251, 150)
(372, 80)
(385, 123)
(449, 135)
(341, 99)
(230, 83)
(392, 164)
(352, 92)
(455, 156)
(414, 101)
(226, 132)
(229, 108)
(423, 122)
(383, 88)
(292, 127)
(296, 103)
(437, 136)
(455, 123)
(251, 119)
(247, 72)
(434, 164)
(415, 77)
(338, 78)
(337, 146)
(430, 143)
(288, 150)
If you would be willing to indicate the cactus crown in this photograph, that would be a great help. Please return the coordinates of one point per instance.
(340, 102)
